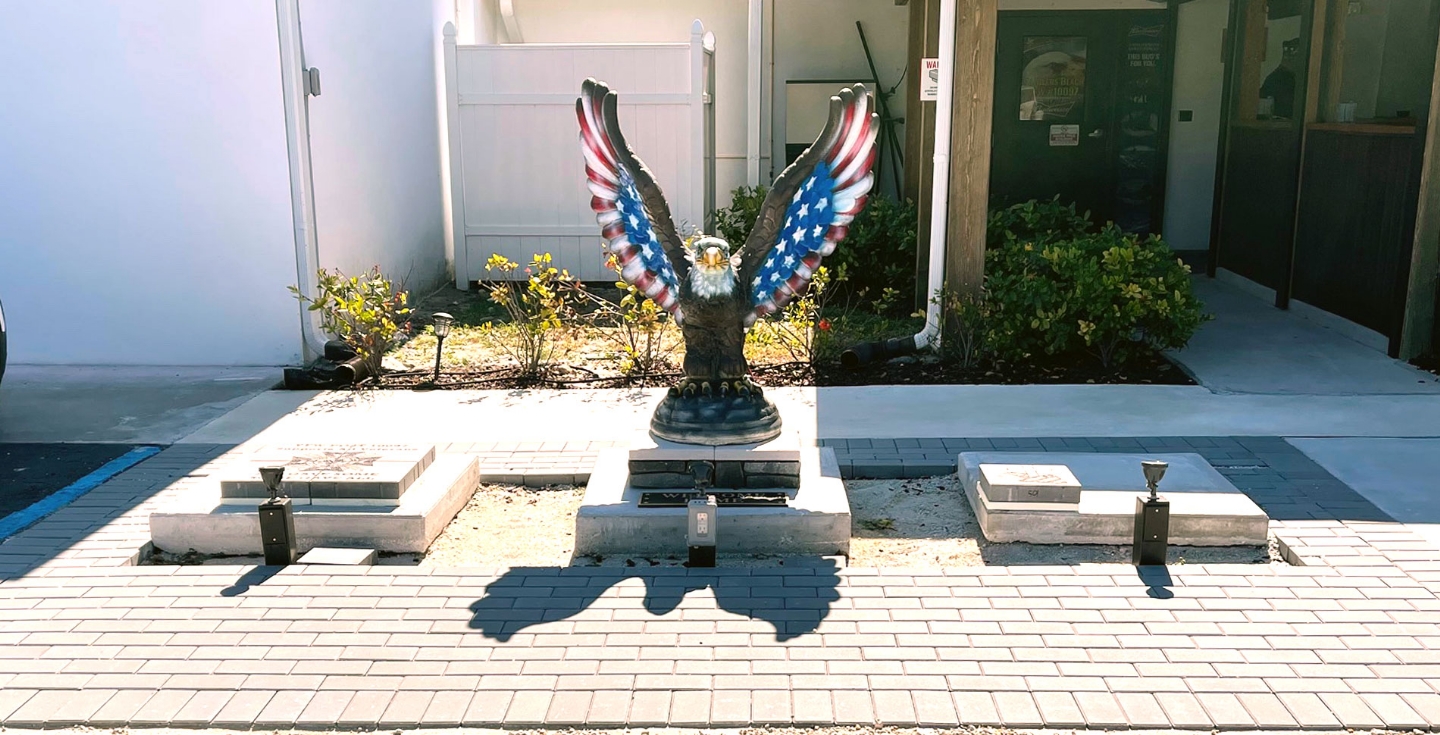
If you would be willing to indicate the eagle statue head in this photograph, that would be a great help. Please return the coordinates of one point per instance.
(712, 268)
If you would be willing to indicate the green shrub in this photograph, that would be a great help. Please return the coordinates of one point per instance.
(1109, 293)
(1038, 222)
(539, 308)
(878, 253)
(636, 326)
(365, 311)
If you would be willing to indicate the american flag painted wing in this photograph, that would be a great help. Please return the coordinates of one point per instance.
(628, 204)
(825, 188)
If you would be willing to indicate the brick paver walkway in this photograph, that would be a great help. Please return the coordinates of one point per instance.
(1349, 637)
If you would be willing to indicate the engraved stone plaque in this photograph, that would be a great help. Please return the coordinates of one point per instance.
(1029, 483)
(332, 471)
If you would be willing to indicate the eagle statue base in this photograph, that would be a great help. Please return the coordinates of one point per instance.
(716, 420)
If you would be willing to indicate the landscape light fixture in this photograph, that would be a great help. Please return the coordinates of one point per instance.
(442, 322)
(1152, 519)
(277, 520)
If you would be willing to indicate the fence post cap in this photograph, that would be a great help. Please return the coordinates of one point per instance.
(450, 31)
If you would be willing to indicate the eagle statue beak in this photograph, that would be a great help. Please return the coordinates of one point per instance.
(713, 258)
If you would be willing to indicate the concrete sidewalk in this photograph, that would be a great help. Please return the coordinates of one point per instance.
(130, 405)
(1252, 347)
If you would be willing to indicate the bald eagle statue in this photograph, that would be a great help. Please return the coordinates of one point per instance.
(715, 292)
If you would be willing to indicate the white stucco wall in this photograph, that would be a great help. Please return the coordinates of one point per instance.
(1194, 145)
(146, 208)
(374, 137)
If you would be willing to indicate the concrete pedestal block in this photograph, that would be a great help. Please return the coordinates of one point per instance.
(211, 527)
(817, 520)
(1205, 509)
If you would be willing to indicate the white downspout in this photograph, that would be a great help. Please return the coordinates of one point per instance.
(512, 26)
(929, 337)
(754, 63)
(302, 183)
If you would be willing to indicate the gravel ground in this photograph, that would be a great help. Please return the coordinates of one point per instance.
(897, 523)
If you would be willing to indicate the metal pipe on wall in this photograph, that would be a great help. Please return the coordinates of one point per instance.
(302, 185)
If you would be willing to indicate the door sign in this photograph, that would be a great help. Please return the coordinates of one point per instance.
(1064, 136)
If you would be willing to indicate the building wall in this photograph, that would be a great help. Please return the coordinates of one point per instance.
(374, 137)
(1194, 146)
(146, 216)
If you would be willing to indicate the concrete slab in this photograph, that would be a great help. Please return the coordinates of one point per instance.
(817, 520)
(365, 472)
(1252, 347)
(134, 405)
(330, 556)
(1205, 509)
(874, 412)
(1400, 476)
(201, 522)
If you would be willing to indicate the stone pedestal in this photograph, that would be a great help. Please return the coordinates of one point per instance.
(389, 497)
(816, 519)
(1078, 498)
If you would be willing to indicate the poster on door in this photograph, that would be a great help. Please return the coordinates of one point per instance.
(1139, 108)
(1052, 78)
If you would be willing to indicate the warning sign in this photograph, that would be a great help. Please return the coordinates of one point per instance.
(929, 80)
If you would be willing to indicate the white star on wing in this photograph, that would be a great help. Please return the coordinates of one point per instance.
(804, 210)
(774, 276)
(789, 260)
(634, 221)
(823, 203)
(818, 229)
(798, 236)
(810, 183)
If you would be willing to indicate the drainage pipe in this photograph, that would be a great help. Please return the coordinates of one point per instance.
(929, 337)
(302, 184)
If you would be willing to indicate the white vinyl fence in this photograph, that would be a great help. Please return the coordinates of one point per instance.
(517, 176)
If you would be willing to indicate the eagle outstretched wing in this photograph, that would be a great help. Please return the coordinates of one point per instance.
(811, 205)
(628, 204)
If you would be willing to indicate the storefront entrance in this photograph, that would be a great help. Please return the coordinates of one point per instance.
(1081, 112)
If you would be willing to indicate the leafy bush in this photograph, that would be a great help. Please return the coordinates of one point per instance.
(638, 328)
(366, 311)
(539, 308)
(1036, 222)
(878, 252)
(733, 223)
(1107, 292)
(800, 330)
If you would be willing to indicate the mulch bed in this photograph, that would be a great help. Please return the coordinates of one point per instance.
(1152, 369)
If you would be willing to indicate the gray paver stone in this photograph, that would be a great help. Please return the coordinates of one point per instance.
(1394, 711)
(1059, 709)
(487, 708)
(1225, 710)
(608, 708)
(770, 707)
(730, 707)
(161, 709)
(240, 712)
(283, 709)
(1018, 709)
(324, 709)
(568, 708)
(650, 708)
(1350, 710)
(1142, 710)
(690, 709)
(119, 709)
(202, 709)
(935, 709)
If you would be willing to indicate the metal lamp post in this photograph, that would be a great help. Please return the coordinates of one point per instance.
(1152, 519)
(442, 323)
(277, 520)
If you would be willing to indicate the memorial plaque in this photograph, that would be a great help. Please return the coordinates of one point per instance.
(374, 472)
(1029, 483)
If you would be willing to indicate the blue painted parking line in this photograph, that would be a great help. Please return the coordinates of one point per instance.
(24, 518)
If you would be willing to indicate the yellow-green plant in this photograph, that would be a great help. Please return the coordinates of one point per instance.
(367, 311)
(801, 330)
(966, 328)
(539, 308)
(638, 329)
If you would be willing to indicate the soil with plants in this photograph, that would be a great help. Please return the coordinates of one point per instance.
(1064, 301)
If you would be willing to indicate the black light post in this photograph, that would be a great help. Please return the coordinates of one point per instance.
(277, 521)
(1152, 519)
(442, 330)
